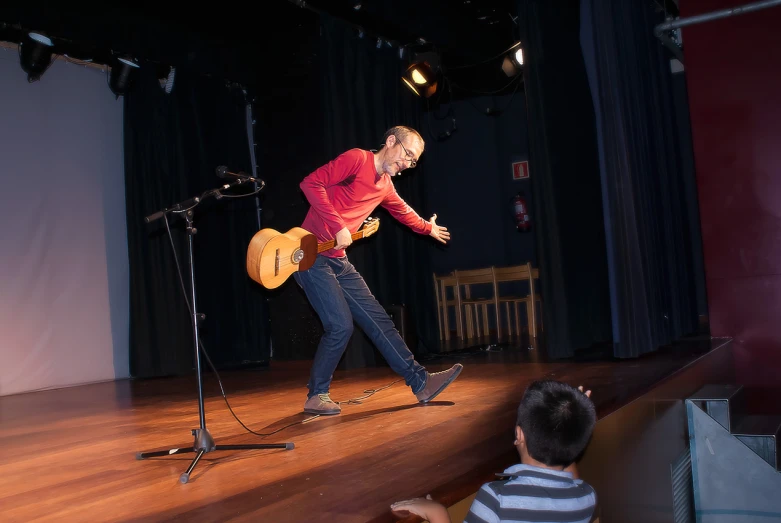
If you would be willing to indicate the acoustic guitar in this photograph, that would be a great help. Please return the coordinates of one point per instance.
(272, 257)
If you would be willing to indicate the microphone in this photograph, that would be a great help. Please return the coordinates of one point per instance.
(223, 172)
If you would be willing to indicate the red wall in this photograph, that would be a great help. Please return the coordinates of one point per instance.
(733, 73)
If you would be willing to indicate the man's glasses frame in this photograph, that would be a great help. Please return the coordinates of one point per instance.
(412, 161)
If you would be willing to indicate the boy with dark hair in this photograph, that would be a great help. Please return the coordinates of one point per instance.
(554, 426)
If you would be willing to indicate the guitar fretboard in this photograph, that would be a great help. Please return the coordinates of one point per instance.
(322, 247)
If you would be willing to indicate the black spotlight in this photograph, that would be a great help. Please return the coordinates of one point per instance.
(122, 76)
(513, 60)
(421, 76)
(420, 79)
(35, 55)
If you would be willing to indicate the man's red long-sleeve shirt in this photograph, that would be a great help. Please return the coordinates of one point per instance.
(345, 191)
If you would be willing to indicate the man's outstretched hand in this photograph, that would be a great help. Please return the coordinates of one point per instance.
(438, 232)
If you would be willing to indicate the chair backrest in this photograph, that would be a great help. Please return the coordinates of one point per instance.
(512, 273)
(475, 276)
(465, 279)
(443, 282)
(519, 273)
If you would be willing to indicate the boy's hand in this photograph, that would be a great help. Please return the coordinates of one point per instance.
(587, 393)
(426, 508)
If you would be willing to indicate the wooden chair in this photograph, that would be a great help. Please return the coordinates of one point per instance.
(520, 273)
(471, 305)
(441, 285)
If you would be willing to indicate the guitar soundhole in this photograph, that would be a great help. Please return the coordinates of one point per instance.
(298, 255)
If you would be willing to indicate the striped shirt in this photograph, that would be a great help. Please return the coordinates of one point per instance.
(533, 494)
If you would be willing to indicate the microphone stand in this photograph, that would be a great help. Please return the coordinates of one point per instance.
(203, 439)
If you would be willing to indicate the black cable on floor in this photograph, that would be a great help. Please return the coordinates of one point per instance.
(368, 393)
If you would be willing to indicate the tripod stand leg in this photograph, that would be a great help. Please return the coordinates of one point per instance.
(158, 453)
(185, 477)
(203, 441)
(286, 446)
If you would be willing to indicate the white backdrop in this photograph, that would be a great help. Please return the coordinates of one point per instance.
(64, 306)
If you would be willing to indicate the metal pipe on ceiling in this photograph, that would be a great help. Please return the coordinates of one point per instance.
(661, 30)
(714, 15)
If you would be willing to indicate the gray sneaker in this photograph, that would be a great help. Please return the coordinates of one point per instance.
(321, 404)
(437, 382)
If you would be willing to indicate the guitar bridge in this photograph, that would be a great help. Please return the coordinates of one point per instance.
(276, 264)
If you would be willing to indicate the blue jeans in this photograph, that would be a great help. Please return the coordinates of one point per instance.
(339, 295)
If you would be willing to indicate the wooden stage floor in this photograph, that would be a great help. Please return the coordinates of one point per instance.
(70, 454)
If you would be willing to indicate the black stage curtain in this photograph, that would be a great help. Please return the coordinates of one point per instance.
(363, 96)
(647, 195)
(565, 179)
(173, 143)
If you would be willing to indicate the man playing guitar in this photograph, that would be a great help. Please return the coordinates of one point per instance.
(342, 194)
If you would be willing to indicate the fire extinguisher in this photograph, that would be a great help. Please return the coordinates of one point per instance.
(521, 213)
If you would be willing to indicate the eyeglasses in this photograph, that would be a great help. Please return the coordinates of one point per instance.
(412, 161)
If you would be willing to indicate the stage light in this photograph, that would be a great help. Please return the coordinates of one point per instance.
(421, 79)
(122, 76)
(519, 56)
(513, 60)
(35, 55)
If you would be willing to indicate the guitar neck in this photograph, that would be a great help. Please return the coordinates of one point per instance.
(322, 247)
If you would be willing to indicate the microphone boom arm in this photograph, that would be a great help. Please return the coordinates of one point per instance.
(222, 172)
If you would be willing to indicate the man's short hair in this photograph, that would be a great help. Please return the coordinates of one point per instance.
(557, 421)
(401, 132)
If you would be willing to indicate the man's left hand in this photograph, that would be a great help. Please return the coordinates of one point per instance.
(438, 232)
